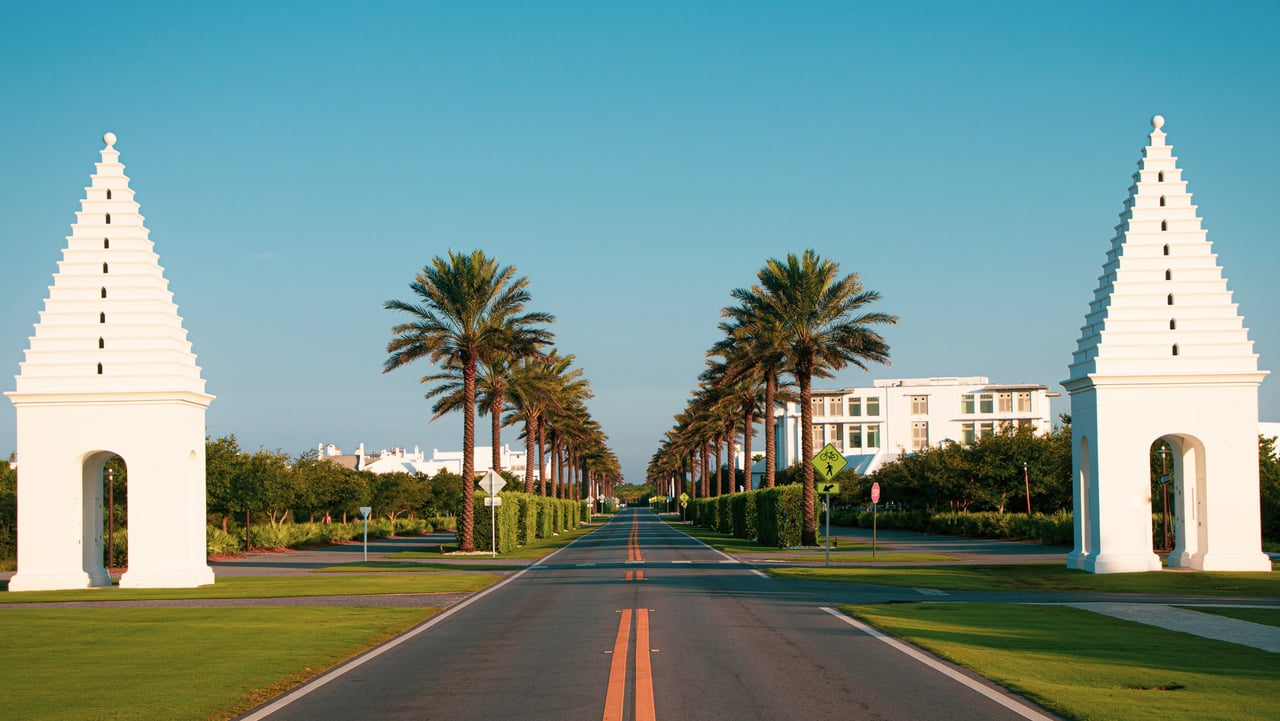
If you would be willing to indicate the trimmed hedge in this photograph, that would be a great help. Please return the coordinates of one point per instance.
(771, 516)
(1055, 529)
(265, 536)
(522, 518)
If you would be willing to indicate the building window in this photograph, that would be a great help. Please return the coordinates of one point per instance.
(817, 436)
(104, 268)
(919, 436)
(855, 406)
(1162, 201)
(108, 193)
(102, 318)
(99, 369)
(102, 343)
(106, 243)
(1168, 275)
(1022, 401)
(1173, 324)
(1160, 177)
(1175, 349)
(834, 437)
(1026, 423)
(817, 406)
(986, 403)
(1004, 402)
(1164, 225)
(108, 219)
(104, 291)
(873, 407)
(835, 406)
(919, 405)
(1170, 299)
(966, 403)
(873, 436)
(855, 436)
(986, 428)
(966, 434)
(1166, 248)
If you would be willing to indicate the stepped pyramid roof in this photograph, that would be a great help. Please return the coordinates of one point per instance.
(109, 325)
(1161, 307)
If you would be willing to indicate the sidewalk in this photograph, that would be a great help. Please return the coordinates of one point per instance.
(1206, 625)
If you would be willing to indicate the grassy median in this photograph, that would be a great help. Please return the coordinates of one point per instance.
(1046, 577)
(124, 664)
(1088, 666)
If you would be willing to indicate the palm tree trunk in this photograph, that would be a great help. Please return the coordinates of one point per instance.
(706, 469)
(530, 424)
(466, 520)
(770, 398)
(495, 414)
(555, 464)
(542, 463)
(748, 422)
(731, 478)
(809, 528)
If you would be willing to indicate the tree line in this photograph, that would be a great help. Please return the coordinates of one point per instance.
(801, 319)
(467, 317)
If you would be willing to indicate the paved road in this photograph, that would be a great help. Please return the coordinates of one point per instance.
(638, 622)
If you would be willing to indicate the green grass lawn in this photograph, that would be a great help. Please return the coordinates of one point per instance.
(1045, 577)
(276, 587)
(1091, 667)
(1265, 616)
(117, 664)
(732, 544)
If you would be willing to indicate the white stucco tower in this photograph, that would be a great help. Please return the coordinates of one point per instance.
(109, 371)
(1164, 354)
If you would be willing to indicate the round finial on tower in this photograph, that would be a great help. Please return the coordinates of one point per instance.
(109, 139)
(1157, 122)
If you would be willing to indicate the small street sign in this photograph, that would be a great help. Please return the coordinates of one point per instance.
(365, 511)
(493, 501)
(492, 482)
(684, 504)
(829, 461)
(875, 492)
(590, 499)
(684, 498)
(826, 487)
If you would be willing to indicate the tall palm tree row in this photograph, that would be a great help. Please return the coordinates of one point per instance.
(801, 319)
(468, 318)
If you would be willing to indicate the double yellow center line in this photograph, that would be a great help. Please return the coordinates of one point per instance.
(616, 696)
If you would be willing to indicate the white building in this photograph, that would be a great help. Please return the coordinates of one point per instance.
(110, 372)
(873, 426)
(415, 461)
(1164, 355)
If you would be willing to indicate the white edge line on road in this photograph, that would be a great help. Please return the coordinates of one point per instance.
(355, 663)
(1013, 705)
(759, 573)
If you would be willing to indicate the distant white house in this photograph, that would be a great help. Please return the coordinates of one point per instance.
(415, 461)
(874, 425)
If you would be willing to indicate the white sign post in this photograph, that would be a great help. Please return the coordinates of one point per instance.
(875, 504)
(491, 484)
(365, 511)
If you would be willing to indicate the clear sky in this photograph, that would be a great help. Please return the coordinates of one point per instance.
(297, 163)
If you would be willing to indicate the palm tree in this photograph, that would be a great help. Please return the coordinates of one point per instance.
(753, 352)
(822, 327)
(538, 385)
(466, 308)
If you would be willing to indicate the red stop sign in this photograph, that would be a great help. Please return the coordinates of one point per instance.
(875, 492)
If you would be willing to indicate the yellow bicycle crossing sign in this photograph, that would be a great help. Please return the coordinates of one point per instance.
(829, 461)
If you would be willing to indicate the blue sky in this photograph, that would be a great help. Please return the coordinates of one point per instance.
(297, 163)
